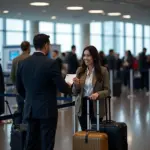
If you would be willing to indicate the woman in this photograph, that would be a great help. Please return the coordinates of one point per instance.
(91, 81)
(127, 65)
(103, 59)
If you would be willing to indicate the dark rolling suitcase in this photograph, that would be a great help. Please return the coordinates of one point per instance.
(117, 89)
(137, 83)
(116, 131)
(18, 133)
(18, 137)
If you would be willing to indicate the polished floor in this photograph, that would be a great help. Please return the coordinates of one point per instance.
(135, 112)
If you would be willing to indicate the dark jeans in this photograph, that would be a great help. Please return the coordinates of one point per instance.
(41, 134)
(144, 80)
(83, 117)
(126, 75)
(20, 103)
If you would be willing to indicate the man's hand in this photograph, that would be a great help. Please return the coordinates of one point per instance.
(94, 96)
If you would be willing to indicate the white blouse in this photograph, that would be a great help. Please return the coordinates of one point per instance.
(88, 87)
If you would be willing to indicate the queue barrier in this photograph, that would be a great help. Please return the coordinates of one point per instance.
(131, 74)
(6, 117)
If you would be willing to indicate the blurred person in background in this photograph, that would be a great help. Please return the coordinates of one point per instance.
(55, 55)
(127, 65)
(72, 61)
(111, 60)
(64, 64)
(2, 90)
(143, 67)
(25, 47)
(63, 57)
(103, 59)
(92, 81)
(147, 73)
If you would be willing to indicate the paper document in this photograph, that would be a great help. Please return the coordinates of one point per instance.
(69, 78)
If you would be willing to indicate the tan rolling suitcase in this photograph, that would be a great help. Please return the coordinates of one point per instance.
(90, 140)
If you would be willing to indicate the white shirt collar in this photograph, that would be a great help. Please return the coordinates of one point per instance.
(39, 52)
(92, 71)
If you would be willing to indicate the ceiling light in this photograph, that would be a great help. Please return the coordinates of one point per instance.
(53, 17)
(96, 11)
(126, 16)
(5, 11)
(114, 14)
(39, 4)
(75, 8)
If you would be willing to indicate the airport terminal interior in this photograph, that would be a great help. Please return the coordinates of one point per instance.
(119, 29)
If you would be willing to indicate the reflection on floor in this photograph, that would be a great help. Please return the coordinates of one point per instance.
(135, 112)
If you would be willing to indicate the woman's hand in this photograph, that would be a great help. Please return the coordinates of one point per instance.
(94, 96)
(76, 81)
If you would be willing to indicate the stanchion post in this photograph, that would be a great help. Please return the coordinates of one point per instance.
(131, 82)
(111, 82)
(131, 85)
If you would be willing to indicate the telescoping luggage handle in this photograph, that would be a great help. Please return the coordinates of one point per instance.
(108, 109)
(88, 119)
(88, 115)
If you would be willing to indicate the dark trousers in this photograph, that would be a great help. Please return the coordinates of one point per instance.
(144, 79)
(20, 103)
(83, 117)
(41, 133)
(126, 75)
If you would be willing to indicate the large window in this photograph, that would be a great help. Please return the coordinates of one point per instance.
(119, 29)
(96, 40)
(1, 37)
(129, 33)
(119, 40)
(108, 44)
(28, 31)
(1, 24)
(96, 35)
(63, 28)
(14, 31)
(77, 39)
(108, 36)
(130, 44)
(138, 38)
(96, 28)
(108, 28)
(14, 25)
(147, 38)
(47, 28)
(147, 31)
(120, 45)
(129, 29)
(64, 36)
(147, 44)
(14, 38)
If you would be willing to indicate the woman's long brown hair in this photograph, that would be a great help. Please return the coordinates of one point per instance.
(96, 60)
